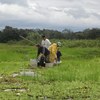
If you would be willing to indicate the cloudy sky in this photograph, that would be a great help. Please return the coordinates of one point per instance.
(52, 14)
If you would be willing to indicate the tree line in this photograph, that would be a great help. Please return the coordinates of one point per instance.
(13, 34)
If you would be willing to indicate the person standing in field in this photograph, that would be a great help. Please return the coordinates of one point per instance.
(53, 48)
(59, 54)
(45, 42)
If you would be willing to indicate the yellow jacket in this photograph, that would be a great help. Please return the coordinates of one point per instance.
(53, 52)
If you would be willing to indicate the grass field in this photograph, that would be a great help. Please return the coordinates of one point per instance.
(77, 78)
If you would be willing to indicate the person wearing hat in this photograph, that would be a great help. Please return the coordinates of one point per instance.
(45, 42)
(53, 48)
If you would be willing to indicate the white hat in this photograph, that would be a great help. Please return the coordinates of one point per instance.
(59, 44)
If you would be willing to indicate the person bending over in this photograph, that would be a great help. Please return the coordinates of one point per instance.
(42, 55)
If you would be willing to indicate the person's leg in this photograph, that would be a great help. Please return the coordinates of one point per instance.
(58, 59)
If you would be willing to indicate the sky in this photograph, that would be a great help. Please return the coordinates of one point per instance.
(75, 15)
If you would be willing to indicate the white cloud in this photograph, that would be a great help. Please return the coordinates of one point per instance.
(51, 13)
(18, 2)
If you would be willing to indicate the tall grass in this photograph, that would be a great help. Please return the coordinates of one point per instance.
(76, 78)
(78, 63)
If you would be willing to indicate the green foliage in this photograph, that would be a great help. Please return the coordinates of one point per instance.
(76, 78)
(34, 37)
(25, 42)
(14, 34)
(11, 34)
(81, 43)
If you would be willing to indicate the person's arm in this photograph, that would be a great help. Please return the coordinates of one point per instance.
(48, 41)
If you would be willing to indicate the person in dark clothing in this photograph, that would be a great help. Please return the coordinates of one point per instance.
(42, 55)
(59, 54)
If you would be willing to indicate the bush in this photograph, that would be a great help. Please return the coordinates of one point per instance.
(80, 43)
